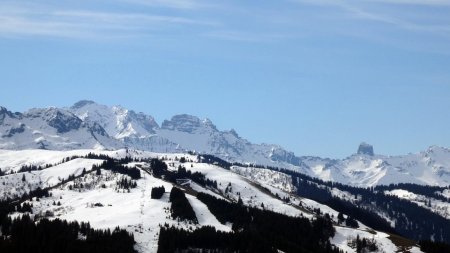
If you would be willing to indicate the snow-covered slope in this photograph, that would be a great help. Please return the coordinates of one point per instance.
(119, 127)
(103, 204)
(50, 128)
(88, 125)
(430, 167)
(117, 121)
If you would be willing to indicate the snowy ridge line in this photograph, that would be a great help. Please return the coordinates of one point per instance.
(435, 205)
(88, 125)
(135, 211)
(48, 188)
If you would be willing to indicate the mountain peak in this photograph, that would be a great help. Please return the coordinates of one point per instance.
(82, 103)
(436, 150)
(187, 123)
(209, 123)
(365, 149)
(234, 133)
(62, 120)
(5, 112)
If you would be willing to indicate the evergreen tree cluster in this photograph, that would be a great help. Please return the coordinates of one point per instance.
(363, 245)
(157, 192)
(210, 159)
(32, 167)
(23, 235)
(125, 183)
(91, 155)
(116, 166)
(272, 230)
(197, 177)
(434, 247)
(181, 209)
(37, 193)
(24, 207)
(208, 239)
(369, 203)
(97, 156)
(351, 222)
(160, 170)
(125, 160)
(323, 195)
(425, 190)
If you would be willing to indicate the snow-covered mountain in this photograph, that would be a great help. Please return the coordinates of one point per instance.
(430, 167)
(79, 192)
(180, 133)
(88, 125)
(117, 121)
(50, 128)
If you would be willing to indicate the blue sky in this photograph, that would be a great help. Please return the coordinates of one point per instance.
(315, 76)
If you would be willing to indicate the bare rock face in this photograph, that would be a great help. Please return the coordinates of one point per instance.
(187, 123)
(365, 149)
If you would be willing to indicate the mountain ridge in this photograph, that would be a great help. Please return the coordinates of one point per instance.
(87, 125)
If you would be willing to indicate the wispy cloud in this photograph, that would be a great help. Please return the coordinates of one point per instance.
(414, 2)
(12, 25)
(175, 4)
(126, 18)
(244, 36)
(44, 21)
(355, 9)
(398, 2)
(437, 29)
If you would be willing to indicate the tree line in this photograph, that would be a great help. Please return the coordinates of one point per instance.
(368, 204)
(425, 190)
(157, 192)
(181, 209)
(257, 230)
(23, 235)
(160, 170)
(116, 166)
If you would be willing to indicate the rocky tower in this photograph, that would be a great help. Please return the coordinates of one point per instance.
(365, 149)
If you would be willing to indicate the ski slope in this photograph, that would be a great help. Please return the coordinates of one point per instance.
(101, 203)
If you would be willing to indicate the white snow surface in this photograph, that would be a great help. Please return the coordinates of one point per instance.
(117, 121)
(204, 216)
(438, 206)
(134, 210)
(344, 234)
(88, 125)
(141, 215)
(14, 186)
(266, 177)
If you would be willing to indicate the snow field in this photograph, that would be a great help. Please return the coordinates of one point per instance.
(141, 215)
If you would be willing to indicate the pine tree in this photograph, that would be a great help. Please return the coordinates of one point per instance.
(240, 202)
(340, 218)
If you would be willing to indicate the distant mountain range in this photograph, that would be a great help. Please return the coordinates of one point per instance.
(88, 125)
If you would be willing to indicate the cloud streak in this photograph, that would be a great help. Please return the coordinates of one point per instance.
(85, 24)
(413, 2)
(173, 4)
(244, 36)
(358, 11)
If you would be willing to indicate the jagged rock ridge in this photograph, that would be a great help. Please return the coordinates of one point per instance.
(88, 125)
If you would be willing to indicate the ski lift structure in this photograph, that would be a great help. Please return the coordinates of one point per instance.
(184, 182)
